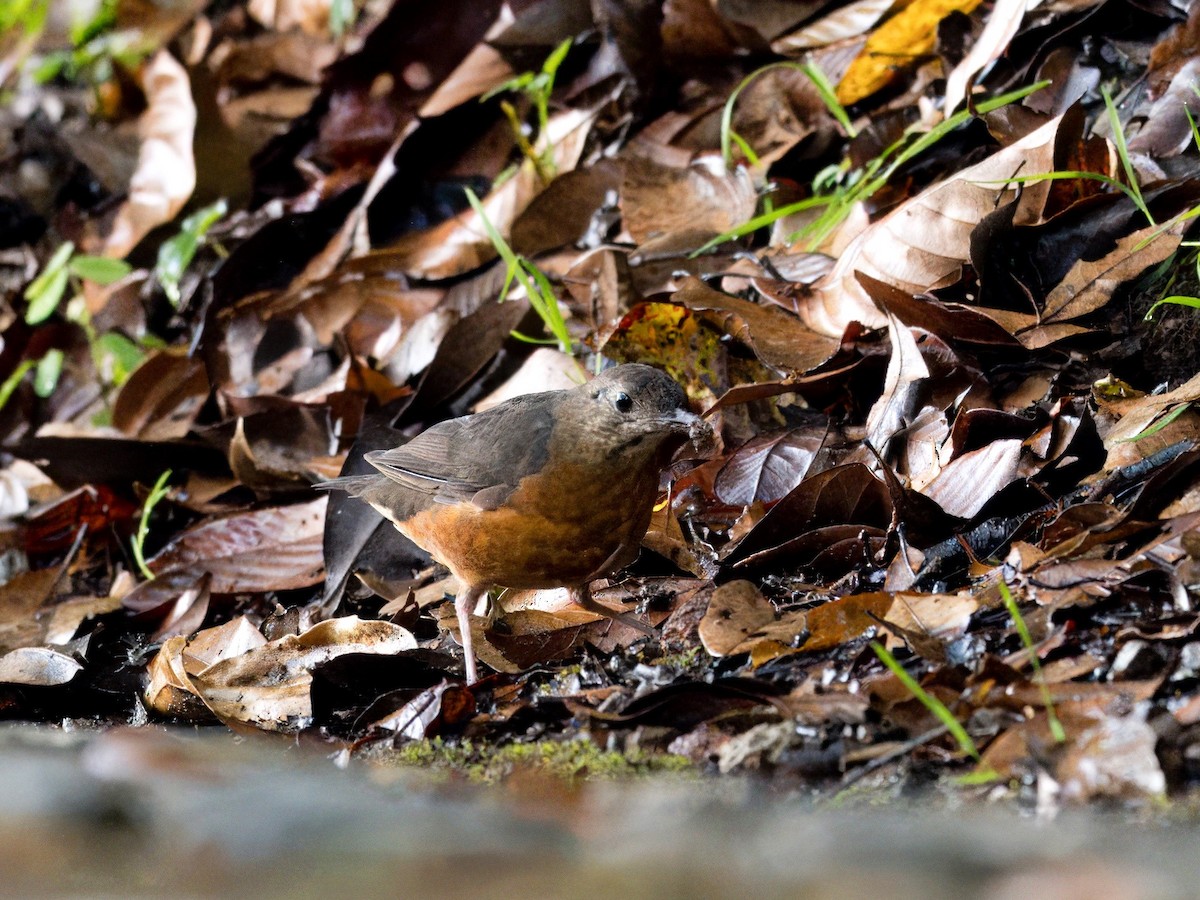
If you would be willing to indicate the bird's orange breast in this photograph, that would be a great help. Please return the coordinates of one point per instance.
(563, 529)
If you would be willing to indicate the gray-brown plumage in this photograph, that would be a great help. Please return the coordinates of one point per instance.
(545, 490)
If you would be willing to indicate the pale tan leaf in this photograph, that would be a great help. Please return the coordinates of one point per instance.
(971, 480)
(269, 687)
(166, 169)
(896, 407)
(847, 21)
(1003, 22)
(225, 641)
(311, 16)
(41, 666)
(482, 70)
(740, 618)
(941, 616)
(923, 243)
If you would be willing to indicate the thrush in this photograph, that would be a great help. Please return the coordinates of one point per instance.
(545, 490)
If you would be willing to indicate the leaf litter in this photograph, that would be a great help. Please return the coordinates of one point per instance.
(920, 339)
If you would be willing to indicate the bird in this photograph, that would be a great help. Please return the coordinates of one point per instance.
(546, 490)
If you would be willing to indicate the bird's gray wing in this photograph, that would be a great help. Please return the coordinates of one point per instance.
(480, 458)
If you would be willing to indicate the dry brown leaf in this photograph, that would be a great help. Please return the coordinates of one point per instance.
(272, 549)
(1106, 754)
(20, 599)
(702, 199)
(166, 170)
(847, 21)
(1089, 285)
(740, 618)
(938, 616)
(923, 243)
(461, 243)
(971, 480)
(767, 467)
(844, 619)
(777, 338)
(1137, 414)
(162, 397)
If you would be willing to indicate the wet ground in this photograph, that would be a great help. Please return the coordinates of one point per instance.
(149, 812)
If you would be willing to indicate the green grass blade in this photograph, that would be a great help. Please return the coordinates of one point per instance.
(1056, 728)
(1156, 427)
(157, 492)
(761, 221)
(931, 703)
(828, 95)
(1118, 131)
(538, 288)
(55, 264)
(11, 382)
(1175, 300)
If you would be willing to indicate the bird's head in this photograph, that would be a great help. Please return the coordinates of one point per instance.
(637, 410)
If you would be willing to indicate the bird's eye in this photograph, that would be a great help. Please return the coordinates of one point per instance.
(622, 402)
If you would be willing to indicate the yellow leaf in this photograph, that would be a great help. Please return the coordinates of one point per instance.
(896, 45)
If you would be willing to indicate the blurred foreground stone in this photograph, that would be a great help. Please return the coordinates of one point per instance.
(152, 812)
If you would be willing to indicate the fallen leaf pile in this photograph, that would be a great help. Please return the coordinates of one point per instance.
(905, 256)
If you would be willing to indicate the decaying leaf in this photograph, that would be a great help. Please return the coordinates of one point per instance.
(267, 685)
(923, 243)
(166, 169)
(266, 550)
(42, 666)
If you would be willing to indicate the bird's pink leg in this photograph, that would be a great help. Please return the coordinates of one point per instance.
(464, 603)
(582, 595)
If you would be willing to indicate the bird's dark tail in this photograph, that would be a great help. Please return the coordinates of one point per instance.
(354, 485)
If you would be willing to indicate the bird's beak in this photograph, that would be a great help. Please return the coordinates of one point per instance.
(698, 431)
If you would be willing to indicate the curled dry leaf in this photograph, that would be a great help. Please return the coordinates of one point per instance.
(427, 713)
(271, 549)
(923, 243)
(767, 467)
(166, 170)
(903, 387)
(40, 666)
(268, 686)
